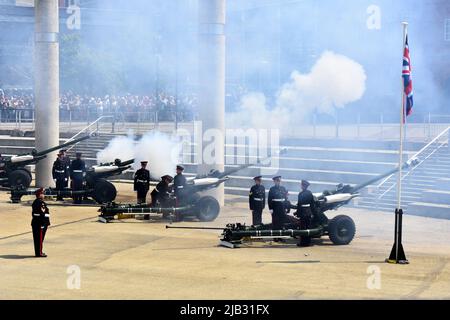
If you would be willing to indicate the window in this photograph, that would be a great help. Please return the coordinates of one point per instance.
(447, 30)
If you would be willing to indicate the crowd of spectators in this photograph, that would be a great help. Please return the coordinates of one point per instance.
(128, 107)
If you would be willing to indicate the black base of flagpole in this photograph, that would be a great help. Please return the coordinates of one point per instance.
(397, 255)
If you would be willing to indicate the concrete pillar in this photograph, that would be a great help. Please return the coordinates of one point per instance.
(46, 85)
(211, 97)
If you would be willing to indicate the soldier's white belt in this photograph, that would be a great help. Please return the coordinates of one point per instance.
(141, 181)
(78, 171)
(180, 187)
(278, 200)
(38, 215)
(258, 199)
(60, 171)
(306, 205)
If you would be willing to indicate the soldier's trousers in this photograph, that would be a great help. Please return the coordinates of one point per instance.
(142, 196)
(305, 223)
(60, 185)
(278, 219)
(77, 185)
(257, 217)
(38, 238)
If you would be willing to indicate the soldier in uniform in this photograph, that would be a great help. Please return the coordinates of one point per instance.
(60, 174)
(278, 203)
(142, 182)
(39, 222)
(77, 176)
(66, 159)
(305, 208)
(161, 193)
(257, 200)
(179, 182)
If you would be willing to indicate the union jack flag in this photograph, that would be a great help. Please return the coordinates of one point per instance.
(407, 80)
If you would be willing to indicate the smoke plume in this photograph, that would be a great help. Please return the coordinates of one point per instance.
(160, 150)
(333, 82)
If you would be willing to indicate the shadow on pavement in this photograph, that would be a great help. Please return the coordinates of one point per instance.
(15, 257)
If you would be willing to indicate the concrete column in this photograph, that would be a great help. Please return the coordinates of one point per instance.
(46, 85)
(211, 97)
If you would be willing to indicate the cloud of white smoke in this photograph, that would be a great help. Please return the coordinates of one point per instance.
(160, 150)
(334, 81)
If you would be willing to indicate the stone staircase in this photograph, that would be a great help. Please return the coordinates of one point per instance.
(425, 189)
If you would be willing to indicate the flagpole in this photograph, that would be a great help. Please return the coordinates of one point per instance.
(402, 119)
(397, 253)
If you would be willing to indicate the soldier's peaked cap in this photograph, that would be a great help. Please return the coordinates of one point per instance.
(166, 177)
(144, 162)
(257, 178)
(305, 183)
(180, 167)
(276, 178)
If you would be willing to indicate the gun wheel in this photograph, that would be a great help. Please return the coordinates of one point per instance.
(341, 230)
(19, 178)
(104, 191)
(208, 208)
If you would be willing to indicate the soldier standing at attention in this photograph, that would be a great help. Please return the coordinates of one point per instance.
(39, 222)
(142, 182)
(257, 200)
(277, 201)
(60, 174)
(77, 175)
(305, 209)
(66, 159)
(179, 182)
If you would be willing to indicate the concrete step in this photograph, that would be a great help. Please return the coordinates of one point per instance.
(328, 153)
(318, 164)
(433, 210)
(436, 196)
(442, 184)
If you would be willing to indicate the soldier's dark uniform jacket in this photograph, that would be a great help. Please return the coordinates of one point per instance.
(142, 184)
(39, 223)
(257, 202)
(77, 175)
(60, 174)
(161, 194)
(305, 209)
(257, 197)
(278, 202)
(179, 184)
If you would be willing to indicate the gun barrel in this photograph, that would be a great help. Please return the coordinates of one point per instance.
(110, 211)
(126, 163)
(66, 144)
(49, 192)
(195, 228)
(233, 235)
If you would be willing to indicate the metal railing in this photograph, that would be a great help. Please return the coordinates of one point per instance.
(87, 129)
(25, 118)
(422, 155)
